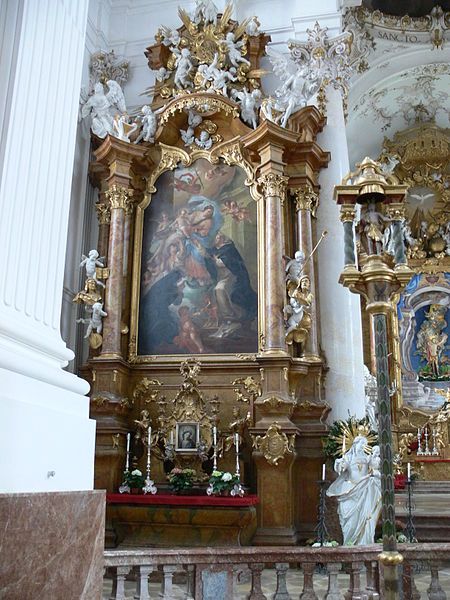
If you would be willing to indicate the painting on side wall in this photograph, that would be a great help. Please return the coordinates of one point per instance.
(424, 328)
(199, 275)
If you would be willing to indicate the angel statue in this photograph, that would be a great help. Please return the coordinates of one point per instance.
(149, 125)
(184, 67)
(234, 50)
(298, 86)
(99, 106)
(95, 320)
(295, 266)
(249, 103)
(206, 10)
(90, 262)
(358, 492)
(194, 120)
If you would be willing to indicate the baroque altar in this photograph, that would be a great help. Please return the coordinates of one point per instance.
(202, 200)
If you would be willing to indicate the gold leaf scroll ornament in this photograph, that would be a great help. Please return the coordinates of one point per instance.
(274, 444)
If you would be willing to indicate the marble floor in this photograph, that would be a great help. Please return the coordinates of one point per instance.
(294, 585)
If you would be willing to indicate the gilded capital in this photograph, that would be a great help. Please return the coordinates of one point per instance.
(396, 211)
(119, 197)
(103, 213)
(273, 184)
(306, 199)
(347, 213)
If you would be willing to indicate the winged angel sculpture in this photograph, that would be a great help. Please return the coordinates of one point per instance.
(101, 105)
(299, 84)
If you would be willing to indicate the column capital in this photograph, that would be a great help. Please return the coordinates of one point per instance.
(347, 213)
(305, 199)
(119, 197)
(273, 184)
(396, 211)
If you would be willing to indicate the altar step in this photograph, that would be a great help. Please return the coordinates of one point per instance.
(431, 501)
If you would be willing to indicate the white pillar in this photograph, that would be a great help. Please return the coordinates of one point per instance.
(44, 415)
(340, 314)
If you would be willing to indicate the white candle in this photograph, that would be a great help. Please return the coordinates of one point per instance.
(323, 472)
(128, 442)
(215, 435)
(149, 446)
(236, 441)
(409, 471)
(171, 438)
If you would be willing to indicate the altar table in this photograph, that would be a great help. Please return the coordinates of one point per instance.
(167, 520)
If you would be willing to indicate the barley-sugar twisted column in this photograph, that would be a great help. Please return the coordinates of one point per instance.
(306, 201)
(274, 186)
(119, 198)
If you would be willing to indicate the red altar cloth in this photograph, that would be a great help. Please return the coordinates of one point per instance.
(172, 499)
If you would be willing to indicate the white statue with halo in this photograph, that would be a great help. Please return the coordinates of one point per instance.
(358, 492)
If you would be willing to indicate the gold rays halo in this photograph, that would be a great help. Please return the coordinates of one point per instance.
(349, 431)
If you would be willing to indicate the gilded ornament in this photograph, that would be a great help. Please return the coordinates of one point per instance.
(274, 445)
(251, 389)
(347, 213)
(119, 197)
(145, 389)
(103, 213)
(115, 440)
(273, 184)
(306, 199)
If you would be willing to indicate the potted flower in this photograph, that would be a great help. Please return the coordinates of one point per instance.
(222, 483)
(181, 480)
(135, 481)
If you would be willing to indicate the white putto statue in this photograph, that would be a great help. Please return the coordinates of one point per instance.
(206, 10)
(95, 320)
(249, 103)
(358, 491)
(194, 120)
(90, 262)
(100, 106)
(149, 125)
(234, 50)
(184, 67)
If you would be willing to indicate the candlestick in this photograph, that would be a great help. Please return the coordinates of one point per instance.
(323, 472)
(236, 444)
(427, 450)
(214, 448)
(419, 442)
(409, 471)
(149, 446)
(435, 451)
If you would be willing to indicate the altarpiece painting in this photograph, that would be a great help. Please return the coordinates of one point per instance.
(199, 264)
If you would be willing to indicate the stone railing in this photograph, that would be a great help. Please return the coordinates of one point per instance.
(259, 573)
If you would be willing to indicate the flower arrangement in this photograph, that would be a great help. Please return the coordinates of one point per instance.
(134, 479)
(181, 480)
(222, 483)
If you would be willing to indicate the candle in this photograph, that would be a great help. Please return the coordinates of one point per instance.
(149, 446)
(215, 435)
(128, 442)
(323, 472)
(409, 471)
(236, 441)
(171, 438)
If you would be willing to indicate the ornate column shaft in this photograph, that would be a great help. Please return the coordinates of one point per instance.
(396, 211)
(119, 198)
(306, 201)
(347, 218)
(274, 185)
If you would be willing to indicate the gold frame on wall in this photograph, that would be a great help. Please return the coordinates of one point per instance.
(171, 157)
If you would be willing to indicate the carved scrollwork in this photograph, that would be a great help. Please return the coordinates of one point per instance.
(249, 390)
(103, 213)
(275, 444)
(146, 389)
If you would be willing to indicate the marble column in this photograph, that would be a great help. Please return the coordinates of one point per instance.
(43, 406)
(340, 313)
(305, 204)
(104, 220)
(119, 203)
(273, 185)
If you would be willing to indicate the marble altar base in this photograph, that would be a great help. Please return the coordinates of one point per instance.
(52, 545)
(171, 521)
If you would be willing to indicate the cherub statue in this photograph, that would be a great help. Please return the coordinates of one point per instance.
(221, 78)
(123, 129)
(194, 120)
(149, 125)
(298, 86)
(207, 11)
(162, 74)
(249, 103)
(171, 37)
(90, 262)
(294, 269)
(184, 67)
(293, 313)
(204, 141)
(234, 50)
(252, 28)
(99, 107)
(89, 295)
(95, 320)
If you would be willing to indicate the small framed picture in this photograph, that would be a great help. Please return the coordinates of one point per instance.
(187, 437)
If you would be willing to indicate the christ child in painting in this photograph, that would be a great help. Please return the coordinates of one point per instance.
(189, 337)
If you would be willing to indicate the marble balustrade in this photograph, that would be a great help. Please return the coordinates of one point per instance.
(259, 573)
